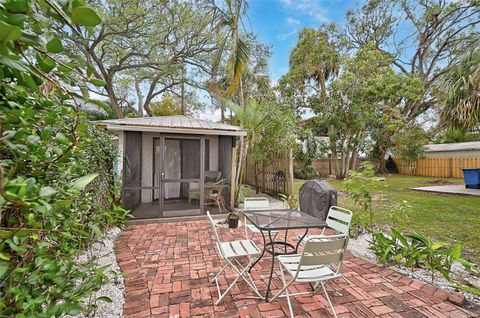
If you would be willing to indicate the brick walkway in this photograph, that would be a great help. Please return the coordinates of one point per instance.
(167, 268)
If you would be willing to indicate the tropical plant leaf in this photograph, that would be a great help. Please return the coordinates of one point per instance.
(85, 16)
(9, 32)
(82, 182)
(55, 46)
(97, 82)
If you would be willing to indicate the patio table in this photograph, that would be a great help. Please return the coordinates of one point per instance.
(280, 219)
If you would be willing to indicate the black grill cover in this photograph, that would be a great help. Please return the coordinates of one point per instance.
(316, 198)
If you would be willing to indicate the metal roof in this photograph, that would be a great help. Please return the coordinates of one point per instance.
(173, 124)
(458, 146)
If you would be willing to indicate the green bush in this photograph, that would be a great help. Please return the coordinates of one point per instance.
(243, 191)
(416, 251)
(57, 193)
(306, 173)
(360, 185)
(50, 213)
(290, 201)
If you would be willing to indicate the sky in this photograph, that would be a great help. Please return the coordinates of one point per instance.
(277, 23)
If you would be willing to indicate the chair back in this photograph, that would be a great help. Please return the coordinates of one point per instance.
(339, 219)
(256, 203)
(324, 251)
(212, 175)
(215, 233)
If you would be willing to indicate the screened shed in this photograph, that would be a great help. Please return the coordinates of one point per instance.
(175, 165)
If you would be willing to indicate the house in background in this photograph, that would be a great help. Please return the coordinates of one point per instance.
(174, 165)
(458, 149)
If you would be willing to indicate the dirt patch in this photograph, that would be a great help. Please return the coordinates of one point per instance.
(342, 194)
(439, 182)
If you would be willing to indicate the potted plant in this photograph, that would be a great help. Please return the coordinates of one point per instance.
(232, 219)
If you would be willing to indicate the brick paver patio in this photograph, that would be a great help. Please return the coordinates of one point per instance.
(167, 267)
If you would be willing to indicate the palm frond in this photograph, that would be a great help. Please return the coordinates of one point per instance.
(237, 65)
(460, 92)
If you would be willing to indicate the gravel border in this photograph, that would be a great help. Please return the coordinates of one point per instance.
(359, 247)
(115, 287)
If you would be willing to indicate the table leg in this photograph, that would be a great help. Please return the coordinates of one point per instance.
(263, 252)
(286, 236)
(273, 265)
(300, 241)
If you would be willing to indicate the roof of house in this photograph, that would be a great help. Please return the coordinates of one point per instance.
(458, 146)
(173, 124)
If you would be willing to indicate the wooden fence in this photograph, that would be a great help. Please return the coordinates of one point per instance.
(272, 177)
(440, 167)
(323, 166)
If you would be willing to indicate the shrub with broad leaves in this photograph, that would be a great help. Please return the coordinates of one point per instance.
(57, 192)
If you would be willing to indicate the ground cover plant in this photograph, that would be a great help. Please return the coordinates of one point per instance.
(57, 191)
(417, 251)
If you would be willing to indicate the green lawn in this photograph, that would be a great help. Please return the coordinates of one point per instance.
(447, 218)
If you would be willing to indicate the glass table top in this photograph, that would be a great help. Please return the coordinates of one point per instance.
(282, 219)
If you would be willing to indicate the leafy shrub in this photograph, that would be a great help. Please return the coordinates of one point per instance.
(308, 172)
(290, 201)
(243, 191)
(399, 215)
(416, 251)
(385, 248)
(361, 223)
(359, 186)
(57, 191)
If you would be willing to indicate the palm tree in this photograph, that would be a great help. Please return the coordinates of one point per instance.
(460, 92)
(315, 57)
(228, 24)
(250, 117)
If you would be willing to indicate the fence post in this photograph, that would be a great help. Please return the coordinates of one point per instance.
(263, 177)
(290, 173)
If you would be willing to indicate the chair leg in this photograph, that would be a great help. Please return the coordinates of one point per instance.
(286, 291)
(285, 286)
(220, 295)
(251, 283)
(328, 299)
(240, 274)
(221, 271)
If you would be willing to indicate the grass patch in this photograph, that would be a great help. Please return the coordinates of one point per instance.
(446, 218)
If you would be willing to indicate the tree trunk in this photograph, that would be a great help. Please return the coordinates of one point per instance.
(240, 159)
(113, 99)
(382, 163)
(241, 100)
(183, 99)
(333, 155)
(353, 159)
(140, 99)
(244, 160)
(183, 91)
(222, 114)
(340, 169)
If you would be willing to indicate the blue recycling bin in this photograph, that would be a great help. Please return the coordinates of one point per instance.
(472, 178)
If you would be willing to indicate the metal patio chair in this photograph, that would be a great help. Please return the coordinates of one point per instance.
(231, 252)
(338, 219)
(320, 261)
(256, 203)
